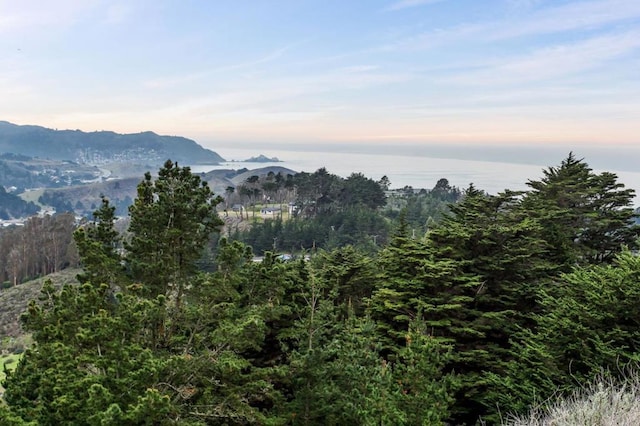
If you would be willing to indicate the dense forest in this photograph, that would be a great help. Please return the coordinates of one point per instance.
(457, 316)
(328, 211)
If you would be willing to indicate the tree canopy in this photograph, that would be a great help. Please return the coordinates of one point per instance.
(503, 300)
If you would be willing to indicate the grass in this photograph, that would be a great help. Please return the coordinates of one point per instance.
(9, 362)
(33, 195)
(605, 402)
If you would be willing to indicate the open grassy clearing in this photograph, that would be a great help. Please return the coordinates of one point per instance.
(33, 195)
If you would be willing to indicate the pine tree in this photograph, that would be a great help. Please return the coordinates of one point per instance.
(98, 244)
(172, 219)
(89, 360)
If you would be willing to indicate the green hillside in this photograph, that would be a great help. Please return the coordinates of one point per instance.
(103, 146)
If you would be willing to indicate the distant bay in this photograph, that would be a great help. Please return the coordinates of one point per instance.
(417, 171)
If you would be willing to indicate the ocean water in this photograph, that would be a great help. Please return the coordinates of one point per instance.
(417, 171)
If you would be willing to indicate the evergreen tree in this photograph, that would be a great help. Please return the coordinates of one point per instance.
(590, 324)
(172, 219)
(586, 217)
(98, 244)
(89, 362)
(475, 279)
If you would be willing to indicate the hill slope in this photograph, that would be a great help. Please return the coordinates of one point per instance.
(14, 300)
(101, 147)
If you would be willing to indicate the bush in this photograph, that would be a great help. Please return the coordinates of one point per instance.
(605, 402)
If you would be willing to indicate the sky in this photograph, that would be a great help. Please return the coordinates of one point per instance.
(328, 71)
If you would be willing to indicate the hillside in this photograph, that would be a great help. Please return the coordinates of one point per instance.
(12, 206)
(84, 199)
(263, 171)
(24, 172)
(101, 147)
(14, 300)
(220, 180)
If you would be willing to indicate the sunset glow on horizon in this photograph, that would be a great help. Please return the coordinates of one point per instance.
(380, 71)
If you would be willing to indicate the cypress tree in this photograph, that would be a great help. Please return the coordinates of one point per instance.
(585, 217)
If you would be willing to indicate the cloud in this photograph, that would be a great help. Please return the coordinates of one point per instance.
(32, 15)
(405, 4)
(554, 61)
(583, 15)
(573, 16)
(172, 81)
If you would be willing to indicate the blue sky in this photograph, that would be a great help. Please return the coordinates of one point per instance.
(298, 71)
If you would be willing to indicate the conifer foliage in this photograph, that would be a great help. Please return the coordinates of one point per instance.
(506, 300)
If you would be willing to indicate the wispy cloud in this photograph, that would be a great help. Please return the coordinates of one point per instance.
(573, 16)
(554, 61)
(31, 15)
(583, 15)
(166, 82)
(405, 4)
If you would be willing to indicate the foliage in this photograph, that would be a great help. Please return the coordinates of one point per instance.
(590, 323)
(98, 244)
(44, 245)
(330, 211)
(604, 401)
(172, 219)
(586, 217)
(12, 206)
(489, 309)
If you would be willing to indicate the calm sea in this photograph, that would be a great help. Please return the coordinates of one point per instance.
(414, 170)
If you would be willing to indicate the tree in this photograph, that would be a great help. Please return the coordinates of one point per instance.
(89, 363)
(493, 243)
(586, 217)
(172, 219)
(590, 324)
(360, 190)
(474, 279)
(98, 244)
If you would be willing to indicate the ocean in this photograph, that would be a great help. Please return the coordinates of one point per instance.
(402, 169)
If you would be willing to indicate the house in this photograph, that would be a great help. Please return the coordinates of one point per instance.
(270, 211)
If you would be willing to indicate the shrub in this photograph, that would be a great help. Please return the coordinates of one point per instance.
(604, 402)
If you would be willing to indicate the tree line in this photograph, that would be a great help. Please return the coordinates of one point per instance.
(328, 211)
(507, 300)
(42, 246)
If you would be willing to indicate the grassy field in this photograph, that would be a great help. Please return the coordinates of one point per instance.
(32, 195)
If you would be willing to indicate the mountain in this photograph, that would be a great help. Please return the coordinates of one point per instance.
(102, 147)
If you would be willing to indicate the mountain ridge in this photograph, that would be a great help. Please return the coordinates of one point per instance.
(101, 147)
